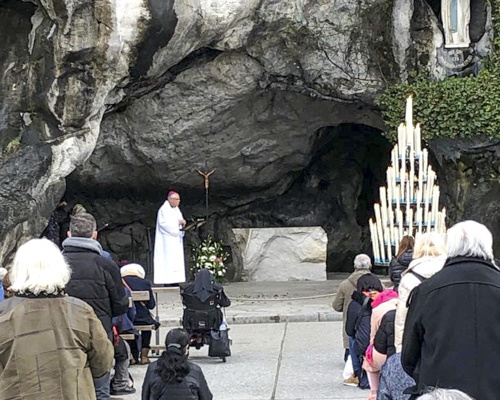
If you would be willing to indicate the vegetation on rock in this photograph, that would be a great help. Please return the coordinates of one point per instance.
(454, 107)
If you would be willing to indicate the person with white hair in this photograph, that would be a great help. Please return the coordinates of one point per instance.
(133, 276)
(451, 337)
(362, 266)
(51, 345)
(445, 394)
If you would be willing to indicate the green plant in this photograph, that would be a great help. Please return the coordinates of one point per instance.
(210, 254)
(454, 107)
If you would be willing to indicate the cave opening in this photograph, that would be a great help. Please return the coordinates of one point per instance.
(335, 190)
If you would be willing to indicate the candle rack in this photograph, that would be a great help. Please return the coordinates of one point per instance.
(409, 204)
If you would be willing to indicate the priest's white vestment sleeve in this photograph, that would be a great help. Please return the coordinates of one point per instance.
(169, 246)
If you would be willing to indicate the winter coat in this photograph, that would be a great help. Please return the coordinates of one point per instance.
(385, 302)
(398, 265)
(143, 315)
(358, 322)
(95, 280)
(125, 322)
(341, 302)
(192, 387)
(384, 338)
(452, 336)
(50, 349)
(425, 267)
(393, 380)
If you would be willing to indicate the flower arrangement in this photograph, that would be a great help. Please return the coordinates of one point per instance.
(210, 254)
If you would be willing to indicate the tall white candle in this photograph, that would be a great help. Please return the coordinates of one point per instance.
(417, 139)
(425, 156)
(409, 111)
(378, 219)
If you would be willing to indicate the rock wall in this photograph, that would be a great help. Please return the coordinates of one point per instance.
(114, 102)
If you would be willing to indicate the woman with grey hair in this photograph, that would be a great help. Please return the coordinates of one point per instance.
(134, 278)
(445, 394)
(451, 338)
(51, 345)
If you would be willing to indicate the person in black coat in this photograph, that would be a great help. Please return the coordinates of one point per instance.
(358, 322)
(452, 336)
(384, 338)
(173, 377)
(133, 276)
(402, 260)
(95, 280)
(206, 296)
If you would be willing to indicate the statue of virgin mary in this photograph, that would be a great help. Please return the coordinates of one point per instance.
(456, 17)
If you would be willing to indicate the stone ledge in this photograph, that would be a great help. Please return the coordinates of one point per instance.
(268, 319)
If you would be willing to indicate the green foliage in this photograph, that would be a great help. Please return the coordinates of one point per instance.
(454, 107)
(210, 255)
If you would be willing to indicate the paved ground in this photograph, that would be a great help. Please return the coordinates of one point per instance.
(298, 358)
(285, 361)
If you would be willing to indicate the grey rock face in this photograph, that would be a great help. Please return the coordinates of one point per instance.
(118, 101)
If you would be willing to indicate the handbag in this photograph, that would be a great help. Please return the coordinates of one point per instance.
(219, 345)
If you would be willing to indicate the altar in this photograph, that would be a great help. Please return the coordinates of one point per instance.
(283, 254)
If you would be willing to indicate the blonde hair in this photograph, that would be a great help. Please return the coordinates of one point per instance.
(39, 267)
(133, 269)
(429, 244)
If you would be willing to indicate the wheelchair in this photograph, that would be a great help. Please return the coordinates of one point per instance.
(202, 321)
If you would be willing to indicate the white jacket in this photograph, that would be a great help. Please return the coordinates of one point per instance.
(425, 266)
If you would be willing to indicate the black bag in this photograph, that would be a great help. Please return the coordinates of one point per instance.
(219, 344)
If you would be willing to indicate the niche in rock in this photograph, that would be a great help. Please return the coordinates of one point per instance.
(478, 17)
(336, 191)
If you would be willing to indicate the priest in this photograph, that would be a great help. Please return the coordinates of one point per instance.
(169, 246)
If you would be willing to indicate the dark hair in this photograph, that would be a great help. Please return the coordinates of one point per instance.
(369, 282)
(407, 243)
(82, 225)
(172, 366)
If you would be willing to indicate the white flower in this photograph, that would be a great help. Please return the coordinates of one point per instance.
(208, 265)
(224, 270)
(203, 258)
(212, 258)
(212, 272)
(204, 249)
(211, 248)
(220, 273)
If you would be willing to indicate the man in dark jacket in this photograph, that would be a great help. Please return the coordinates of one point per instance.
(451, 337)
(94, 279)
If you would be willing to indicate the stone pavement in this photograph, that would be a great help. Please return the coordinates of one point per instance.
(264, 302)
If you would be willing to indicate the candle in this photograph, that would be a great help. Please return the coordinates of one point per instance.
(373, 234)
(409, 111)
(402, 144)
(396, 164)
(417, 139)
(425, 156)
(398, 197)
(378, 219)
(412, 175)
(410, 221)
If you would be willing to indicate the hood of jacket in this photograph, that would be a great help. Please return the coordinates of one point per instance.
(83, 243)
(358, 297)
(426, 266)
(384, 296)
(353, 278)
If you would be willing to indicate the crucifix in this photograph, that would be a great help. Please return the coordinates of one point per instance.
(206, 176)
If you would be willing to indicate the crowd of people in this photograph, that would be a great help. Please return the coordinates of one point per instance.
(433, 326)
(430, 334)
(62, 316)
